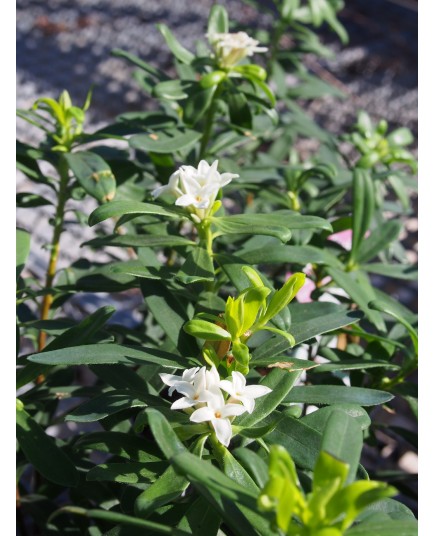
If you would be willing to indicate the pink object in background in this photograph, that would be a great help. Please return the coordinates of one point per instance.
(344, 238)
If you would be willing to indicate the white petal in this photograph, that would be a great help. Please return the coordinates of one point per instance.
(225, 178)
(239, 381)
(159, 191)
(185, 200)
(223, 430)
(169, 379)
(212, 378)
(189, 374)
(182, 403)
(185, 388)
(202, 415)
(248, 403)
(255, 391)
(232, 410)
(203, 167)
(227, 386)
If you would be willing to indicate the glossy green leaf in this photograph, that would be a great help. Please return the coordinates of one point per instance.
(343, 439)
(163, 433)
(198, 266)
(282, 297)
(94, 174)
(378, 240)
(302, 442)
(110, 516)
(22, 250)
(202, 329)
(180, 53)
(218, 21)
(126, 473)
(168, 486)
(318, 419)
(239, 110)
(160, 75)
(199, 99)
(281, 382)
(348, 281)
(95, 354)
(395, 271)
(338, 394)
(390, 527)
(254, 465)
(165, 141)
(110, 403)
(134, 448)
(120, 208)
(363, 208)
(42, 452)
(139, 241)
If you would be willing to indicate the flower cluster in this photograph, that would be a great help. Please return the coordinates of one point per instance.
(196, 189)
(230, 48)
(202, 390)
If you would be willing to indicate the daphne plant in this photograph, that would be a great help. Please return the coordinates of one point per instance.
(329, 509)
(225, 336)
(203, 390)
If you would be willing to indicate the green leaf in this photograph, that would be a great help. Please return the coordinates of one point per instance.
(302, 442)
(80, 334)
(180, 53)
(400, 136)
(202, 329)
(390, 527)
(280, 254)
(172, 89)
(99, 354)
(114, 517)
(94, 174)
(120, 208)
(254, 464)
(278, 224)
(42, 452)
(126, 473)
(378, 240)
(239, 110)
(165, 141)
(171, 312)
(343, 439)
(318, 419)
(139, 241)
(337, 394)
(198, 266)
(246, 224)
(128, 446)
(167, 487)
(22, 250)
(163, 433)
(281, 382)
(110, 403)
(199, 100)
(363, 208)
(160, 75)
(282, 297)
(218, 21)
(235, 503)
(347, 281)
(395, 271)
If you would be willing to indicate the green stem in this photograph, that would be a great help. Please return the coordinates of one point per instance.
(209, 120)
(62, 197)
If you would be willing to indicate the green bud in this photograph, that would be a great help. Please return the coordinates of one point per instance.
(213, 79)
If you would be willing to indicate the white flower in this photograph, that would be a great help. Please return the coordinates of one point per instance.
(230, 48)
(194, 188)
(194, 392)
(246, 394)
(218, 413)
(173, 381)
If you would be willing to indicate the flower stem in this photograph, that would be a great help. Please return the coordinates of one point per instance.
(54, 248)
(209, 120)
